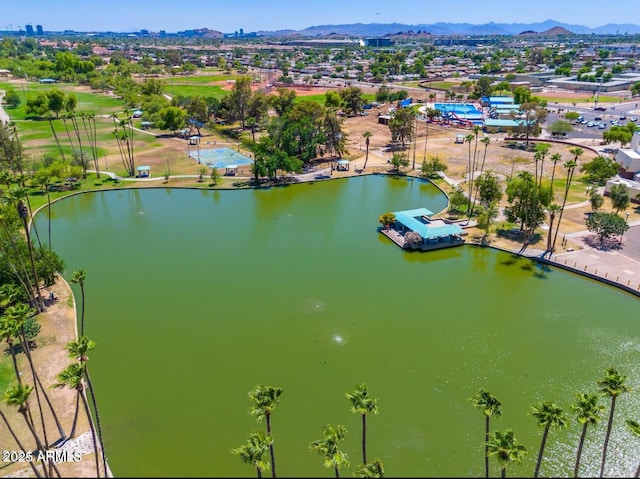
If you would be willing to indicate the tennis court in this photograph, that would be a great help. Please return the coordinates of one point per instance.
(221, 157)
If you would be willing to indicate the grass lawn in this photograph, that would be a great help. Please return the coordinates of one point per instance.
(196, 90)
(320, 98)
(88, 102)
(442, 85)
(188, 80)
(581, 99)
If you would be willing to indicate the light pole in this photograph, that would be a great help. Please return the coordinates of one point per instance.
(627, 224)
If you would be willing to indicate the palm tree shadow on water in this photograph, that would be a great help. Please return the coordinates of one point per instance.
(538, 269)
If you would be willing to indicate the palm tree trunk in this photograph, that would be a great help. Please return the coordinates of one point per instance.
(552, 217)
(273, 458)
(364, 439)
(93, 432)
(580, 445)
(541, 452)
(12, 351)
(564, 202)
(46, 186)
(504, 472)
(37, 383)
(337, 471)
(259, 472)
(40, 301)
(82, 315)
(637, 471)
(75, 416)
(607, 436)
(32, 430)
(20, 446)
(366, 155)
(486, 446)
(98, 423)
(55, 136)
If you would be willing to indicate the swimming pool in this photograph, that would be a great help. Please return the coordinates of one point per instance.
(468, 110)
(221, 157)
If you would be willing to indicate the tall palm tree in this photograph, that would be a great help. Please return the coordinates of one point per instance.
(79, 277)
(329, 447)
(72, 377)
(587, 412)
(19, 313)
(485, 141)
(490, 406)
(23, 212)
(265, 399)
(547, 414)
(18, 443)
(18, 396)
(553, 210)
(612, 385)
(9, 331)
(634, 427)
(79, 350)
(570, 166)
(555, 158)
(469, 138)
(367, 134)
(505, 447)
(254, 452)
(362, 404)
(371, 469)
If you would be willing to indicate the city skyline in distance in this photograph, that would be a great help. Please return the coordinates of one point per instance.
(126, 16)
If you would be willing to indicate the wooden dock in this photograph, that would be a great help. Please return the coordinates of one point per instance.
(398, 239)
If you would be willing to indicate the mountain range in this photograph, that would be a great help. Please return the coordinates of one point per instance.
(441, 28)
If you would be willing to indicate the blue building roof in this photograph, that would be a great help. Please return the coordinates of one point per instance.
(411, 220)
(496, 100)
(503, 123)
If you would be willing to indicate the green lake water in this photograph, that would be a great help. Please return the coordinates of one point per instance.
(195, 297)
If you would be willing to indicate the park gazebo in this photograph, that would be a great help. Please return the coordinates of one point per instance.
(231, 170)
(143, 172)
(342, 165)
(432, 234)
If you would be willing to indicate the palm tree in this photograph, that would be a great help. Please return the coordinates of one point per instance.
(485, 141)
(553, 210)
(79, 277)
(329, 447)
(24, 214)
(587, 412)
(367, 134)
(547, 414)
(78, 350)
(490, 406)
(570, 166)
(469, 138)
(19, 396)
(72, 376)
(265, 399)
(556, 157)
(612, 385)
(505, 447)
(19, 444)
(18, 314)
(372, 469)
(362, 404)
(10, 330)
(254, 451)
(634, 427)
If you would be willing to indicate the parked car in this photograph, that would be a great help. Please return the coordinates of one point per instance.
(590, 124)
(597, 118)
(634, 119)
(602, 126)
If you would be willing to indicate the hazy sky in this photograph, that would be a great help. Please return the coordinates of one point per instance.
(255, 15)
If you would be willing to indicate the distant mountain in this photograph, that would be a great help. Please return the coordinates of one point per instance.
(440, 28)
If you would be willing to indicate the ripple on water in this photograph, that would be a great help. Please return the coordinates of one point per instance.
(314, 306)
